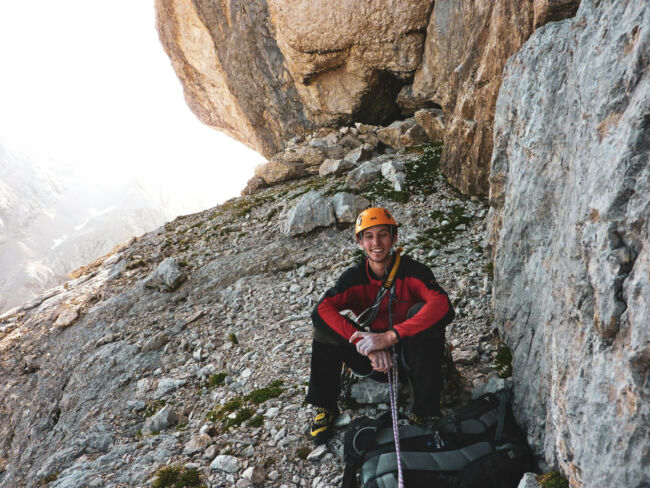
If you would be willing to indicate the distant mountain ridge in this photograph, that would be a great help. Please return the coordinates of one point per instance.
(51, 222)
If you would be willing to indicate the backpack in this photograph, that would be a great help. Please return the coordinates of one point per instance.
(477, 445)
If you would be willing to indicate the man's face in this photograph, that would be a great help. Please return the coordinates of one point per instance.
(377, 242)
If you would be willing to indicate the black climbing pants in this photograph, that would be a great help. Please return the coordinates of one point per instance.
(422, 356)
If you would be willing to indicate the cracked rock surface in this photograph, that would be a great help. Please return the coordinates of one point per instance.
(571, 240)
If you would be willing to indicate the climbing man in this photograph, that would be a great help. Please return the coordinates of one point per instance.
(400, 301)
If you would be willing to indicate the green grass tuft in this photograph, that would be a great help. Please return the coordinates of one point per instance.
(272, 390)
(215, 380)
(552, 479)
(176, 477)
(503, 361)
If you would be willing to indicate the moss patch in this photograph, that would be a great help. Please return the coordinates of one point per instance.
(176, 477)
(552, 479)
(256, 421)
(272, 390)
(215, 380)
(503, 361)
(303, 451)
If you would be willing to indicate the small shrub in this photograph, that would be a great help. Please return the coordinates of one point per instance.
(233, 338)
(256, 421)
(215, 380)
(176, 477)
(503, 361)
(136, 264)
(242, 415)
(48, 479)
(303, 451)
(552, 479)
(153, 406)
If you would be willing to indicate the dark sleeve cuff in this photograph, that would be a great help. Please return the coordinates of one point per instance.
(399, 339)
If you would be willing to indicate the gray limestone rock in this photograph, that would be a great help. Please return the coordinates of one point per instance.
(364, 174)
(166, 385)
(348, 206)
(164, 418)
(529, 481)
(335, 167)
(155, 342)
(357, 155)
(224, 462)
(312, 211)
(317, 454)
(393, 171)
(197, 444)
(167, 277)
(254, 474)
(370, 391)
(570, 190)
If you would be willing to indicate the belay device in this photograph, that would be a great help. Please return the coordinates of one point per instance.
(476, 446)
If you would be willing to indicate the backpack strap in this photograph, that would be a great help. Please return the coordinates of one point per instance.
(503, 402)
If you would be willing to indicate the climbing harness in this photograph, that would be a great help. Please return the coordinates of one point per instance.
(368, 316)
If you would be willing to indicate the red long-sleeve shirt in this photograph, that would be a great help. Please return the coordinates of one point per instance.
(357, 289)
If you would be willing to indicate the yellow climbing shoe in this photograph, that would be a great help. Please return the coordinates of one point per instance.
(322, 426)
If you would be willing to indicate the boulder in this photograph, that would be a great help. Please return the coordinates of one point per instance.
(224, 462)
(348, 206)
(163, 419)
(277, 171)
(357, 155)
(393, 171)
(253, 185)
(198, 443)
(413, 137)
(529, 481)
(255, 474)
(312, 211)
(392, 135)
(335, 167)
(409, 103)
(166, 277)
(350, 141)
(307, 155)
(364, 174)
(570, 196)
(370, 391)
(432, 122)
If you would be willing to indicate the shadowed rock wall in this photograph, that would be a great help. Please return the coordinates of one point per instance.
(570, 187)
(468, 44)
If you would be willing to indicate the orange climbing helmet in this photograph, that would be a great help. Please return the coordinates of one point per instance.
(374, 216)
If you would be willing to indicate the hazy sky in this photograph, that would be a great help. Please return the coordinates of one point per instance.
(87, 82)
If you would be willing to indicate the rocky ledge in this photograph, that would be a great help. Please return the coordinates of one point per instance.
(185, 354)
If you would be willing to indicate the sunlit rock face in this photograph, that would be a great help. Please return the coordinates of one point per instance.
(265, 71)
(570, 189)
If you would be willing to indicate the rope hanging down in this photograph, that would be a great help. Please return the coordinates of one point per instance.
(392, 386)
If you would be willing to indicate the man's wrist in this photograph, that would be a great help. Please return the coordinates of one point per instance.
(394, 337)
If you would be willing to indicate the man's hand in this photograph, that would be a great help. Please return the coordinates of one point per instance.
(371, 341)
(381, 361)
